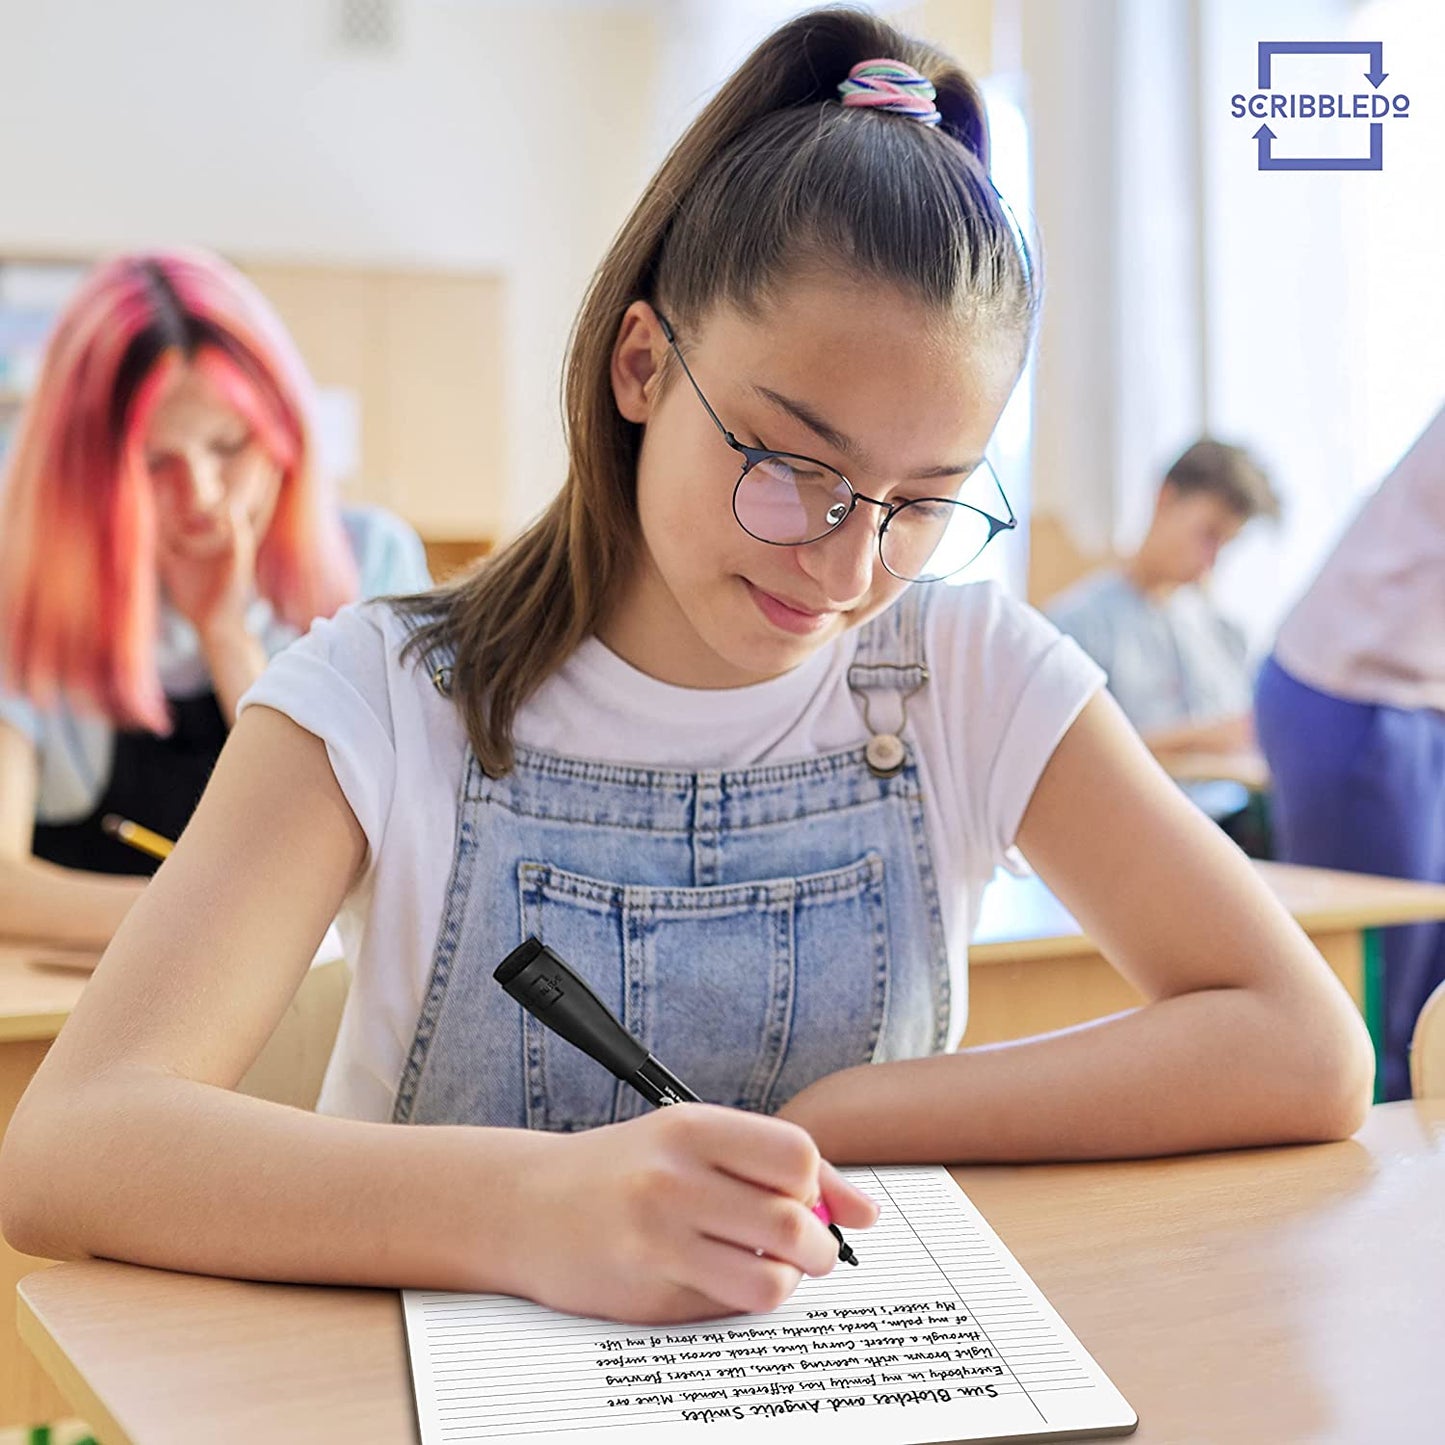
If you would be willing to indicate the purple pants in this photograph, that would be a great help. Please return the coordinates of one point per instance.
(1362, 787)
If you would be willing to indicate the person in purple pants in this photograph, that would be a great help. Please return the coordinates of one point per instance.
(1350, 712)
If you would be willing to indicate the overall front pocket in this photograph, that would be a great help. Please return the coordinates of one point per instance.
(746, 991)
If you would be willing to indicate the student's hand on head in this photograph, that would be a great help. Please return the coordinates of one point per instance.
(661, 1219)
(211, 584)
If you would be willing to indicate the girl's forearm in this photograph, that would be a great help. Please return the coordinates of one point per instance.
(1220, 1068)
(63, 905)
(235, 659)
(164, 1171)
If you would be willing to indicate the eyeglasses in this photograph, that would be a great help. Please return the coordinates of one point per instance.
(789, 501)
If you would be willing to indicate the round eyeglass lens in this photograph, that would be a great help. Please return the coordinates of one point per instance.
(926, 540)
(788, 500)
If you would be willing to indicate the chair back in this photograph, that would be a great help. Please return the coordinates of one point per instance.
(290, 1067)
(1427, 1049)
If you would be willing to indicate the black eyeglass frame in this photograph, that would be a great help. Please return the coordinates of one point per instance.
(754, 456)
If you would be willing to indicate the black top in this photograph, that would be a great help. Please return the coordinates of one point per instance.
(154, 781)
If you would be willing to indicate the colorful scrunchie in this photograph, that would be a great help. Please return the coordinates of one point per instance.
(891, 85)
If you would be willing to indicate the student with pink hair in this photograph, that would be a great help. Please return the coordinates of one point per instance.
(164, 530)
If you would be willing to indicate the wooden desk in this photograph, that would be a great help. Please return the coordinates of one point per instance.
(1031, 967)
(1275, 1295)
(38, 989)
(35, 999)
(1246, 767)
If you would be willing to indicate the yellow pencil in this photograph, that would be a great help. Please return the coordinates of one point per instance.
(139, 838)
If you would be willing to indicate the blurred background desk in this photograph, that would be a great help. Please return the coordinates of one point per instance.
(36, 997)
(39, 987)
(1032, 968)
(1248, 769)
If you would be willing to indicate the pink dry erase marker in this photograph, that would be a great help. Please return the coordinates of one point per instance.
(845, 1250)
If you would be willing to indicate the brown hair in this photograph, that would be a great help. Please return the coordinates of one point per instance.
(774, 174)
(1227, 472)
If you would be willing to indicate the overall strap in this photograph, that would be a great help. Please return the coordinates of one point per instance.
(435, 660)
(888, 668)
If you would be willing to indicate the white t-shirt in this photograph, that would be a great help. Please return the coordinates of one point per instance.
(1371, 627)
(1005, 687)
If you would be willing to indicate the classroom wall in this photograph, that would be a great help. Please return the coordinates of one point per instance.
(433, 155)
(421, 352)
(506, 137)
(509, 139)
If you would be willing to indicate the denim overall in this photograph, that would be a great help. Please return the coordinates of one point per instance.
(755, 929)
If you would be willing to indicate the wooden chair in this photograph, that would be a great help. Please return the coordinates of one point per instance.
(290, 1067)
(1427, 1049)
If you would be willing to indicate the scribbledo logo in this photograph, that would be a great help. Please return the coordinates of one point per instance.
(1275, 101)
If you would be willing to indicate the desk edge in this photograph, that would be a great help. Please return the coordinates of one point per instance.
(65, 1375)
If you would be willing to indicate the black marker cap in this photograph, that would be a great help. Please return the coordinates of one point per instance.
(549, 990)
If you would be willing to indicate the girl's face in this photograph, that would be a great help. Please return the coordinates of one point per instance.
(208, 468)
(858, 377)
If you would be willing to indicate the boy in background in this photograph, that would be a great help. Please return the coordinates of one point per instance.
(1175, 664)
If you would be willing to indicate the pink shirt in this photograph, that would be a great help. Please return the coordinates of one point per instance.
(1372, 625)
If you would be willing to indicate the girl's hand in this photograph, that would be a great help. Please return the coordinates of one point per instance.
(683, 1214)
(210, 579)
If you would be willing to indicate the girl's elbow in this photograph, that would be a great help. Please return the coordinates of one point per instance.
(28, 1169)
(20, 1225)
(20, 1204)
(1344, 1082)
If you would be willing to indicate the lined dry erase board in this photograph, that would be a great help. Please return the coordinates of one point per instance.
(938, 1335)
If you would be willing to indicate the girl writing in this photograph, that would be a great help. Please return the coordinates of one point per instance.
(716, 729)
